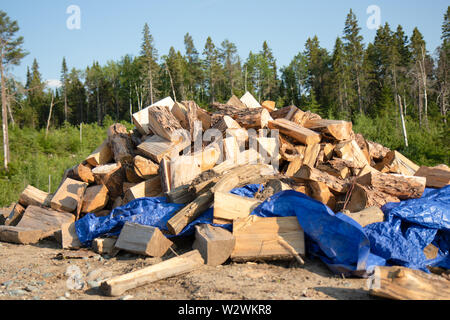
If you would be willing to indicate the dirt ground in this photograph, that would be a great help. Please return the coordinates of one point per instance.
(42, 272)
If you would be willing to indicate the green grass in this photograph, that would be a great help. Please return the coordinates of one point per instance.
(41, 161)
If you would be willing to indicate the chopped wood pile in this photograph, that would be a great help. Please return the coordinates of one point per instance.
(196, 157)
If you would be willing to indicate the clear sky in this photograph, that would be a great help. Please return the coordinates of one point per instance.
(111, 29)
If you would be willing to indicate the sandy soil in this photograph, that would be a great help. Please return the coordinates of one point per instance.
(42, 272)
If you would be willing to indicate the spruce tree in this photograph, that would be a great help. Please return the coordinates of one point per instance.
(150, 56)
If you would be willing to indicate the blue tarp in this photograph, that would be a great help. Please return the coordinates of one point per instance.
(338, 240)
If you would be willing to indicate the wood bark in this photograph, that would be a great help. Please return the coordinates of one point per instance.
(294, 131)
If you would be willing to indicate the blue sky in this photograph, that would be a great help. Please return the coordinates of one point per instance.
(111, 29)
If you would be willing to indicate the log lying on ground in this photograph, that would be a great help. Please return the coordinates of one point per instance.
(68, 195)
(338, 129)
(214, 244)
(401, 283)
(173, 267)
(294, 131)
(120, 143)
(228, 207)
(143, 240)
(32, 196)
(395, 162)
(112, 176)
(258, 238)
(400, 186)
(363, 197)
(367, 216)
(101, 155)
(436, 177)
(308, 173)
(20, 235)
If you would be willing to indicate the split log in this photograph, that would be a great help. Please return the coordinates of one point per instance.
(288, 151)
(237, 177)
(231, 149)
(205, 118)
(84, 173)
(179, 111)
(141, 118)
(300, 117)
(336, 167)
(112, 176)
(246, 118)
(120, 142)
(68, 237)
(363, 197)
(226, 123)
(165, 175)
(308, 173)
(284, 113)
(105, 246)
(339, 130)
(236, 102)
(32, 196)
(294, 131)
(190, 116)
(228, 207)
(367, 216)
(249, 100)
(322, 193)
(149, 188)
(311, 154)
(156, 148)
(402, 187)
(400, 283)
(102, 155)
(68, 195)
(19, 235)
(143, 240)
(268, 105)
(350, 151)
(130, 174)
(395, 162)
(296, 163)
(377, 151)
(144, 168)
(95, 199)
(364, 146)
(215, 244)
(14, 215)
(163, 123)
(258, 238)
(436, 177)
(173, 267)
(5, 212)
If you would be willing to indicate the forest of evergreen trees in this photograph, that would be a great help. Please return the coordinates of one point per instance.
(395, 74)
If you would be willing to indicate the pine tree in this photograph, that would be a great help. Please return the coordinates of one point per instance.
(340, 76)
(194, 73)
(11, 52)
(230, 62)
(150, 56)
(213, 68)
(443, 67)
(354, 50)
(269, 72)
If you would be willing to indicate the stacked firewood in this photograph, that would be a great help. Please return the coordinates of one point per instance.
(196, 157)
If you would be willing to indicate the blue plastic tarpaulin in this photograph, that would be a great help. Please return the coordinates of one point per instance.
(339, 241)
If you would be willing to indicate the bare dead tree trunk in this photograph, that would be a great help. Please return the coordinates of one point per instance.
(4, 115)
(359, 94)
(423, 78)
(171, 82)
(49, 116)
(151, 81)
(402, 118)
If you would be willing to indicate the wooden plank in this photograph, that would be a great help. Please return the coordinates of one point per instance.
(228, 206)
(173, 267)
(32, 196)
(215, 244)
(156, 148)
(102, 155)
(401, 283)
(436, 177)
(68, 195)
(257, 238)
(143, 240)
(149, 188)
(95, 199)
(294, 131)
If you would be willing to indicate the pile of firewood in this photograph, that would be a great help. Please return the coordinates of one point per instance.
(195, 157)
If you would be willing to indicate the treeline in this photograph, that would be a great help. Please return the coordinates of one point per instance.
(394, 75)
